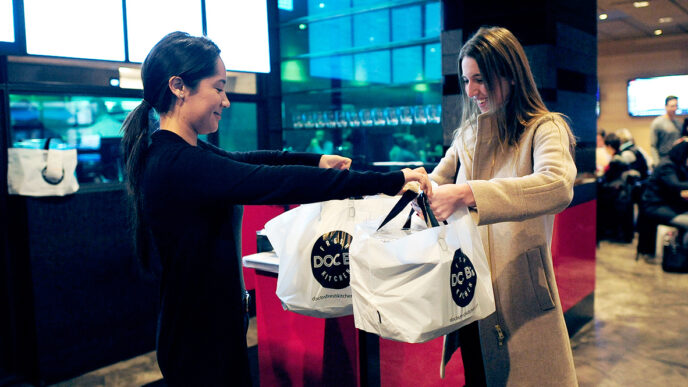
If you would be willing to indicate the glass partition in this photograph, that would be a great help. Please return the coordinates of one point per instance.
(91, 124)
(238, 130)
(363, 79)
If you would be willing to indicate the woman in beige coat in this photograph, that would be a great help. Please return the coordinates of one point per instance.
(516, 171)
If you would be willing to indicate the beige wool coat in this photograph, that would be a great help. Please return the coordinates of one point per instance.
(517, 191)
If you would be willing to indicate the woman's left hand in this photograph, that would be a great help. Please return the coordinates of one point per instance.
(447, 198)
(334, 161)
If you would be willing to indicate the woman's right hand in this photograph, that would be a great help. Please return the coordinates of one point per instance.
(419, 175)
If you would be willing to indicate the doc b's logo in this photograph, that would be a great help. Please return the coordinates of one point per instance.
(463, 279)
(330, 260)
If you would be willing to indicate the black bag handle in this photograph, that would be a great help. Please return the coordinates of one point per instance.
(404, 201)
(45, 169)
(406, 198)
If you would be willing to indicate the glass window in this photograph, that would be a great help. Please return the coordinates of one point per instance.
(60, 28)
(407, 63)
(432, 20)
(433, 62)
(371, 28)
(320, 7)
(406, 23)
(334, 67)
(329, 35)
(372, 67)
(356, 82)
(88, 123)
(239, 128)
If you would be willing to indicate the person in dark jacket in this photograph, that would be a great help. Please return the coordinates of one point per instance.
(665, 196)
(186, 197)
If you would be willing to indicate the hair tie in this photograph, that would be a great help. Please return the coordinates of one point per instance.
(147, 104)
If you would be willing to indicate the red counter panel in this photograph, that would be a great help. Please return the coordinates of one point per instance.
(573, 253)
(300, 350)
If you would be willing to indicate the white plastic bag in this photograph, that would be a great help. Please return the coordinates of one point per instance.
(41, 172)
(416, 285)
(312, 243)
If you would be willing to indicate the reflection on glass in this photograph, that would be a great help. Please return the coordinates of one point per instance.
(330, 122)
(340, 119)
(297, 120)
(352, 119)
(88, 123)
(392, 116)
(319, 120)
(366, 117)
(434, 113)
(378, 117)
(419, 117)
(406, 115)
(309, 120)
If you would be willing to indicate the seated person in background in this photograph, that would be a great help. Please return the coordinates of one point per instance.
(601, 155)
(615, 219)
(632, 154)
(664, 198)
(617, 165)
(319, 144)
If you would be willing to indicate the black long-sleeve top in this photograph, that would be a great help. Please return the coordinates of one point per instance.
(192, 199)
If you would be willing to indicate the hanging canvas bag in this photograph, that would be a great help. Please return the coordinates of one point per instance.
(312, 243)
(416, 284)
(41, 172)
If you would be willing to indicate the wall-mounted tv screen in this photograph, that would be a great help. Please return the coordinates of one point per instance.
(11, 29)
(75, 28)
(6, 21)
(143, 31)
(240, 29)
(646, 96)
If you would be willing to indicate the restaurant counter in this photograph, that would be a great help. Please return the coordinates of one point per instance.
(299, 350)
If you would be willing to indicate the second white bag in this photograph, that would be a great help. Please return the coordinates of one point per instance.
(312, 242)
(416, 285)
(41, 172)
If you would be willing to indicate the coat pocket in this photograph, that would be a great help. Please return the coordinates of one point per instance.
(539, 280)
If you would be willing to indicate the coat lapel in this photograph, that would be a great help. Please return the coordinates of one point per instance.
(486, 144)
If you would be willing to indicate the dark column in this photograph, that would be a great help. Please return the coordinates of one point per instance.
(560, 40)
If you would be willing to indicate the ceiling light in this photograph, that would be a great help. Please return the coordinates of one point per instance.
(641, 4)
(663, 20)
(603, 16)
(658, 32)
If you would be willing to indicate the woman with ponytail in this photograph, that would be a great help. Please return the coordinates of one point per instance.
(516, 171)
(186, 197)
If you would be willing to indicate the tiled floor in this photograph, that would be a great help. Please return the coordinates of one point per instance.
(639, 336)
(640, 333)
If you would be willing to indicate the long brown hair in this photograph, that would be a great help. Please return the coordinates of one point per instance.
(499, 55)
(177, 54)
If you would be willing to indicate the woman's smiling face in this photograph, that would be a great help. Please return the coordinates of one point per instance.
(202, 108)
(476, 88)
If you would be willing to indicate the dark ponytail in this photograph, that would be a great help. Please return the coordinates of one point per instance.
(177, 54)
(134, 145)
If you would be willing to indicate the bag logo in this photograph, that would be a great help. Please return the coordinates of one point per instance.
(330, 260)
(463, 279)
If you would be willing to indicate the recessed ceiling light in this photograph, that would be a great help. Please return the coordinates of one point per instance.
(603, 16)
(663, 20)
(641, 4)
(658, 32)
